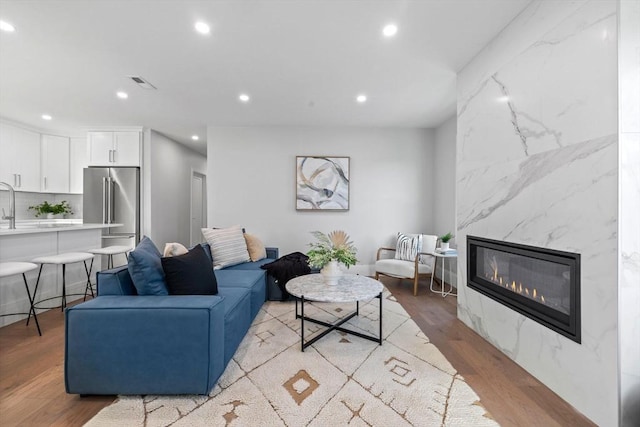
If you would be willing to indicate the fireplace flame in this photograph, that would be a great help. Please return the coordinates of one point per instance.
(518, 288)
(494, 267)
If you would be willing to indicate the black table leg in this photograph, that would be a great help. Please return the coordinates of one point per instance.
(301, 321)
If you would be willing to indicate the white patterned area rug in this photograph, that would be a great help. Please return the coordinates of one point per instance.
(341, 380)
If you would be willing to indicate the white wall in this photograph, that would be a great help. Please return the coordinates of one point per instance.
(629, 221)
(444, 204)
(251, 181)
(537, 164)
(167, 171)
(444, 201)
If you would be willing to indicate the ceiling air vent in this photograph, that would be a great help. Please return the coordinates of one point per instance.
(140, 81)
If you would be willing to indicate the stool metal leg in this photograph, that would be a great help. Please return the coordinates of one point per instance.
(35, 291)
(31, 308)
(88, 286)
(64, 287)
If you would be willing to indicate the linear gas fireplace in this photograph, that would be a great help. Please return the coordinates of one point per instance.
(542, 284)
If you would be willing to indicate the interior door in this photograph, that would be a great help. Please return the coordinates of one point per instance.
(197, 208)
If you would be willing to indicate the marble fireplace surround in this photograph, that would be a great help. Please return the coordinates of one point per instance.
(537, 164)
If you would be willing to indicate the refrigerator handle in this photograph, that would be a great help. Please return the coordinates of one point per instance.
(110, 203)
(104, 200)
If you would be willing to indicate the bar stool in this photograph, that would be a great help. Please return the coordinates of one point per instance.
(61, 259)
(12, 268)
(110, 251)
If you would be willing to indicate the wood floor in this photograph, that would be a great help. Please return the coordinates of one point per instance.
(32, 385)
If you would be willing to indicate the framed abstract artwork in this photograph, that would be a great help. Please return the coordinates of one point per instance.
(322, 183)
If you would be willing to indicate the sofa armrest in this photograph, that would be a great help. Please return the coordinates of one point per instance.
(116, 281)
(272, 253)
(144, 345)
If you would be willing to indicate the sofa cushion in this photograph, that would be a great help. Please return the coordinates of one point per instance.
(254, 281)
(400, 268)
(190, 274)
(251, 265)
(228, 246)
(237, 313)
(145, 268)
(256, 248)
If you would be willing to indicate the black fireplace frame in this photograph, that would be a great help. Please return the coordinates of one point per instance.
(566, 325)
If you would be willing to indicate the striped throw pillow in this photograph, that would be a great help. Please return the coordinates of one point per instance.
(408, 246)
(228, 246)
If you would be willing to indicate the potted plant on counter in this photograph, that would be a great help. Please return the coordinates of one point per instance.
(329, 251)
(45, 208)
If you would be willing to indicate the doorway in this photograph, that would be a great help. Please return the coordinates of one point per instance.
(198, 206)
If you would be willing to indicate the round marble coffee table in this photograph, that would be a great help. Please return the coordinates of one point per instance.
(350, 288)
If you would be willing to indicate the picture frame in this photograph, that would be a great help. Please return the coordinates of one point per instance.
(322, 183)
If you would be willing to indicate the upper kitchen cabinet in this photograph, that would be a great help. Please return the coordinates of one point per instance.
(121, 148)
(78, 160)
(20, 159)
(55, 164)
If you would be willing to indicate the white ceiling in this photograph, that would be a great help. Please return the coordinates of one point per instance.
(303, 62)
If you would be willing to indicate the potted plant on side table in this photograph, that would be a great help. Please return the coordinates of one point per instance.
(329, 251)
(46, 208)
(444, 245)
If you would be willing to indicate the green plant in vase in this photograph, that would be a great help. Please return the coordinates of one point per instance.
(46, 208)
(334, 246)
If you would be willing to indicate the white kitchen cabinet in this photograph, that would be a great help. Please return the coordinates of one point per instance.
(78, 160)
(20, 159)
(114, 148)
(55, 164)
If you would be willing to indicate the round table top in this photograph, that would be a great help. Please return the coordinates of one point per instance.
(350, 288)
(445, 254)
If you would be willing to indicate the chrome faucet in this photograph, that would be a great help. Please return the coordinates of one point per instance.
(12, 207)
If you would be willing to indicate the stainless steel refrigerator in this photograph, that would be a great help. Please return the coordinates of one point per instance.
(112, 196)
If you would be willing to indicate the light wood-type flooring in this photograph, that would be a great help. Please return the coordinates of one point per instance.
(32, 384)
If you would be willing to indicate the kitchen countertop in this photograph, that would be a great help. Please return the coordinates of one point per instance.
(50, 227)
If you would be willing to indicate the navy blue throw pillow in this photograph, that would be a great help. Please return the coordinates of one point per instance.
(190, 274)
(146, 269)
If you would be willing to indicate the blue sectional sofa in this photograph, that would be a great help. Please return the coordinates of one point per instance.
(123, 343)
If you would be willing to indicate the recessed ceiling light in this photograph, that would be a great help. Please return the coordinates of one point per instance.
(244, 97)
(202, 28)
(361, 99)
(5, 26)
(47, 117)
(195, 137)
(390, 30)
(504, 99)
(122, 95)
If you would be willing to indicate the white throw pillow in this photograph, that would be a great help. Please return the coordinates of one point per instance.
(408, 246)
(174, 249)
(228, 246)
